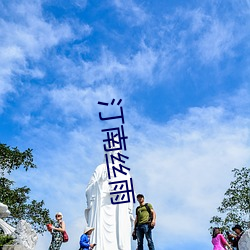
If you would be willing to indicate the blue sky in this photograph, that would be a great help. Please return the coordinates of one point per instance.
(182, 71)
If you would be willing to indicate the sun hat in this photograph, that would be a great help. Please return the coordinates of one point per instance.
(59, 213)
(87, 229)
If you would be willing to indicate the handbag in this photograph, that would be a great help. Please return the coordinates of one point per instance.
(65, 236)
(149, 224)
(134, 235)
(49, 227)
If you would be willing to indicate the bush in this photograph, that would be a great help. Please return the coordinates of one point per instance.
(6, 240)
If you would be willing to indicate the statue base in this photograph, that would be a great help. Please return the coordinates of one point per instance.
(12, 247)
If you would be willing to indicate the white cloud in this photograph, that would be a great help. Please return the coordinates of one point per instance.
(198, 19)
(184, 168)
(217, 42)
(143, 63)
(240, 101)
(123, 70)
(131, 12)
(80, 3)
(105, 69)
(81, 102)
(31, 33)
(191, 34)
(25, 35)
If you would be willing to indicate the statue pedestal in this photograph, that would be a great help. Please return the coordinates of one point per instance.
(13, 247)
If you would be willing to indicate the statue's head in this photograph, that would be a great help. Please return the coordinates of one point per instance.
(4, 212)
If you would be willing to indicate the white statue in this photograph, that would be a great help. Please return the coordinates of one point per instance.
(4, 212)
(25, 235)
(244, 242)
(112, 222)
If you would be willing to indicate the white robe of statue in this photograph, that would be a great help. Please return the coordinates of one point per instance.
(112, 223)
(4, 212)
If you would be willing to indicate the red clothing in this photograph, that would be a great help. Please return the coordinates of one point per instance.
(219, 242)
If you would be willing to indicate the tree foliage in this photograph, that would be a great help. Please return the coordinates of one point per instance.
(6, 240)
(17, 199)
(235, 207)
(11, 159)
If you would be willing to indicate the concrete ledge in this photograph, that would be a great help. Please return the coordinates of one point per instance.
(13, 247)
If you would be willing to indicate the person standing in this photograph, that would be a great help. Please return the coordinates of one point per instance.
(143, 225)
(239, 231)
(85, 239)
(218, 240)
(56, 231)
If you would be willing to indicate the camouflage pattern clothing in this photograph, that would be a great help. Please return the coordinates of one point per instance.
(57, 238)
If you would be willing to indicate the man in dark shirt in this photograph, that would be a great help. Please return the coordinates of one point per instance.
(239, 231)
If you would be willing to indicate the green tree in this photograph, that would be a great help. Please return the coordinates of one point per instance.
(235, 207)
(17, 199)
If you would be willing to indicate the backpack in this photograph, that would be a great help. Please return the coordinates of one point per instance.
(150, 218)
